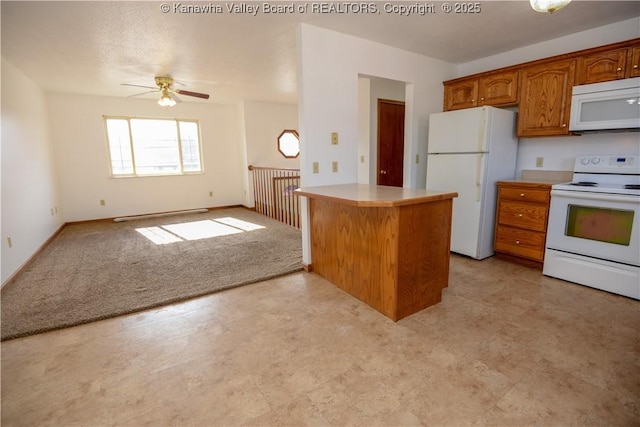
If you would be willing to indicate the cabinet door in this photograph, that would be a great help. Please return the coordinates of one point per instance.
(462, 94)
(633, 64)
(602, 67)
(499, 89)
(545, 99)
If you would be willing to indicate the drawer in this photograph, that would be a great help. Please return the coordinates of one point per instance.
(523, 215)
(525, 194)
(527, 244)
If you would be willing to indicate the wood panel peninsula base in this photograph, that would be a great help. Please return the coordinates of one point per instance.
(387, 246)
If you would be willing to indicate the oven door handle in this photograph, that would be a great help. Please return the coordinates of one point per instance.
(596, 196)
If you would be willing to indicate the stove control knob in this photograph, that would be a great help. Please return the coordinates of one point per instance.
(595, 160)
(584, 161)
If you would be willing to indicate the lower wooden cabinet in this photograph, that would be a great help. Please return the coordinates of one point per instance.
(521, 220)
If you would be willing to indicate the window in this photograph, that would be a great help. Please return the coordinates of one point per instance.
(289, 144)
(143, 147)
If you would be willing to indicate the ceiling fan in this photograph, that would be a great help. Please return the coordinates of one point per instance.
(168, 96)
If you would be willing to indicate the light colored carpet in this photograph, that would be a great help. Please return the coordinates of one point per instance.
(97, 270)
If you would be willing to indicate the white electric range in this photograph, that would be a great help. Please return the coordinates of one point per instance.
(593, 237)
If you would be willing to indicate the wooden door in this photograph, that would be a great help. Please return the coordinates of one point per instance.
(545, 99)
(461, 94)
(390, 142)
(499, 89)
(633, 67)
(601, 67)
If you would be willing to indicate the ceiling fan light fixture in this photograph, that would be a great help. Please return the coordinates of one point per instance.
(548, 6)
(166, 100)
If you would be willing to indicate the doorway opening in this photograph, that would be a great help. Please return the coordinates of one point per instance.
(381, 147)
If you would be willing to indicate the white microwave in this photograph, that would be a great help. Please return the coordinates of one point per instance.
(606, 106)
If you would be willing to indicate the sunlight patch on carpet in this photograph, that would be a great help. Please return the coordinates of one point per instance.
(196, 230)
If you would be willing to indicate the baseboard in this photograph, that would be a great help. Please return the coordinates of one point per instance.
(87, 221)
(37, 252)
(307, 267)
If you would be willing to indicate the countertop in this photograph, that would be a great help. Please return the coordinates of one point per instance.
(364, 195)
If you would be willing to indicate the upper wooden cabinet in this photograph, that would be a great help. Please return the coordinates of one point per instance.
(499, 88)
(604, 66)
(490, 89)
(633, 64)
(545, 99)
(461, 94)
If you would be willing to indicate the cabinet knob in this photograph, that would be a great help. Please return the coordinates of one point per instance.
(564, 125)
(635, 67)
(521, 194)
(517, 242)
(520, 215)
(619, 69)
(482, 99)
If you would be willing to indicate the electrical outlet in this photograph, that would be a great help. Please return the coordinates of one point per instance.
(102, 202)
(9, 243)
(334, 166)
(52, 213)
(334, 138)
(417, 158)
(361, 159)
(539, 162)
(210, 193)
(316, 167)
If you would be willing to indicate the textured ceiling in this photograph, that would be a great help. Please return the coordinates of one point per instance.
(89, 47)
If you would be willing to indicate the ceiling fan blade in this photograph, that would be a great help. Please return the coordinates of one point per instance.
(189, 93)
(148, 87)
(142, 93)
(175, 98)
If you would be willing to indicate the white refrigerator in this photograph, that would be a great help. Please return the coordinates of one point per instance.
(468, 151)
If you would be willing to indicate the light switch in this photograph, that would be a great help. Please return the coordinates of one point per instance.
(334, 166)
(316, 167)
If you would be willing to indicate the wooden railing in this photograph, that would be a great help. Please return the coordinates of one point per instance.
(273, 193)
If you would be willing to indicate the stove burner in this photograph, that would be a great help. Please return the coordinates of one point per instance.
(632, 186)
(585, 184)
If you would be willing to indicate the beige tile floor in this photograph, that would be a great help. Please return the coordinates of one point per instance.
(506, 346)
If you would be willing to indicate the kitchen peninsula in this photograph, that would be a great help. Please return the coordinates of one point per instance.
(387, 246)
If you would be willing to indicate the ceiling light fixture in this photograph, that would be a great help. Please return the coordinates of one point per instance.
(549, 6)
(166, 100)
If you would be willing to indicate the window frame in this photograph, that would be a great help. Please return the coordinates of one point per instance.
(135, 174)
(292, 132)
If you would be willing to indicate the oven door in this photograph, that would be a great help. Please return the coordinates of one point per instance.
(603, 226)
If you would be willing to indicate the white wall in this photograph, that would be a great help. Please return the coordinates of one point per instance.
(559, 153)
(329, 66)
(80, 149)
(29, 185)
(263, 123)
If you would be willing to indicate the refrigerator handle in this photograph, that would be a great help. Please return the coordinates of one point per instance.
(478, 176)
(483, 127)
